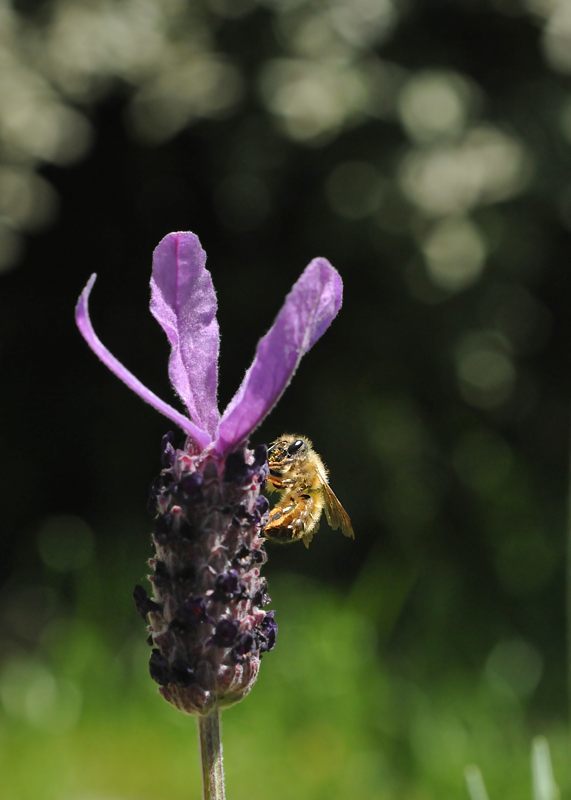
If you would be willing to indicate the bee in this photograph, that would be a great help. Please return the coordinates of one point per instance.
(301, 476)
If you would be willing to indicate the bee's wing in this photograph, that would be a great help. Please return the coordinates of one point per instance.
(336, 515)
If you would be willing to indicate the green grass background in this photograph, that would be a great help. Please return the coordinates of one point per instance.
(328, 718)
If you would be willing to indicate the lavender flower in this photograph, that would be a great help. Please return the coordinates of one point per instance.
(207, 619)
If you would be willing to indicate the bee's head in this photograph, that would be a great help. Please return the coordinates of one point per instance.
(285, 450)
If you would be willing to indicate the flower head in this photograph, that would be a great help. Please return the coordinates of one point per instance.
(207, 620)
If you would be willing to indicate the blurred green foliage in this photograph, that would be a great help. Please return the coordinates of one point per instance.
(425, 148)
(326, 719)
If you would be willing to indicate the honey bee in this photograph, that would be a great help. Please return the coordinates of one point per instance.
(301, 476)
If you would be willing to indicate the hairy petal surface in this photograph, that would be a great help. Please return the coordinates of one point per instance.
(309, 309)
(183, 302)
(201, 437)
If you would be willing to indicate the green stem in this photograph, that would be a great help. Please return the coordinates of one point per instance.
(211, 756)
(568, 589)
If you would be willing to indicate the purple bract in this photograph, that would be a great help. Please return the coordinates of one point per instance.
(183, 302)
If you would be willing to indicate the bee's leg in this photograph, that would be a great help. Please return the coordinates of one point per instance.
(287, 519)
(275, 481)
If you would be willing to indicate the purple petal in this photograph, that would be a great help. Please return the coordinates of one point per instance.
(183, 302)
(83, 321)
(308, 311)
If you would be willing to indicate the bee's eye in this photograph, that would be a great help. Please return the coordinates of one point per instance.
(295, 446)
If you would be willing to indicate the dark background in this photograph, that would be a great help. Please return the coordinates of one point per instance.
(439, 398)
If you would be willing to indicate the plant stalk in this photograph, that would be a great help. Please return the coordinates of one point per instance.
(568, 589)
(211, 756)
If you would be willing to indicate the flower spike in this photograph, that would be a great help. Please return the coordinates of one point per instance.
(83, 321)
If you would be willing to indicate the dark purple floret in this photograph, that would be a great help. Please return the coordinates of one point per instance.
(183, 674)
(168, 438)
(258, 556)
(143, 602)
(159, 493)
(245, 644)
(247, 557)
(241, 515)
(228, 585)
(161, 577)
(162, 483)
(226, 632)
(167, 450)
(242, 557)
(163, 528)
(261, 459)
(262, 505)
(159, 668)
(190, 485)
(261, 597)
(236, 469)
(269, 632)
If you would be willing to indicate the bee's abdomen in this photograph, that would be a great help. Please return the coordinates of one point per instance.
(295, 517)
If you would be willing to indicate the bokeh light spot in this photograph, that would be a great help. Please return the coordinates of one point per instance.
(557, 35)
(363, 22)
(486, 166)
(310, 98)
(485, 371)
(433, 104)
(30, 692)
(26, 199)
(200, 86)
(514, 665)
(65, 543)
(455, 253)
